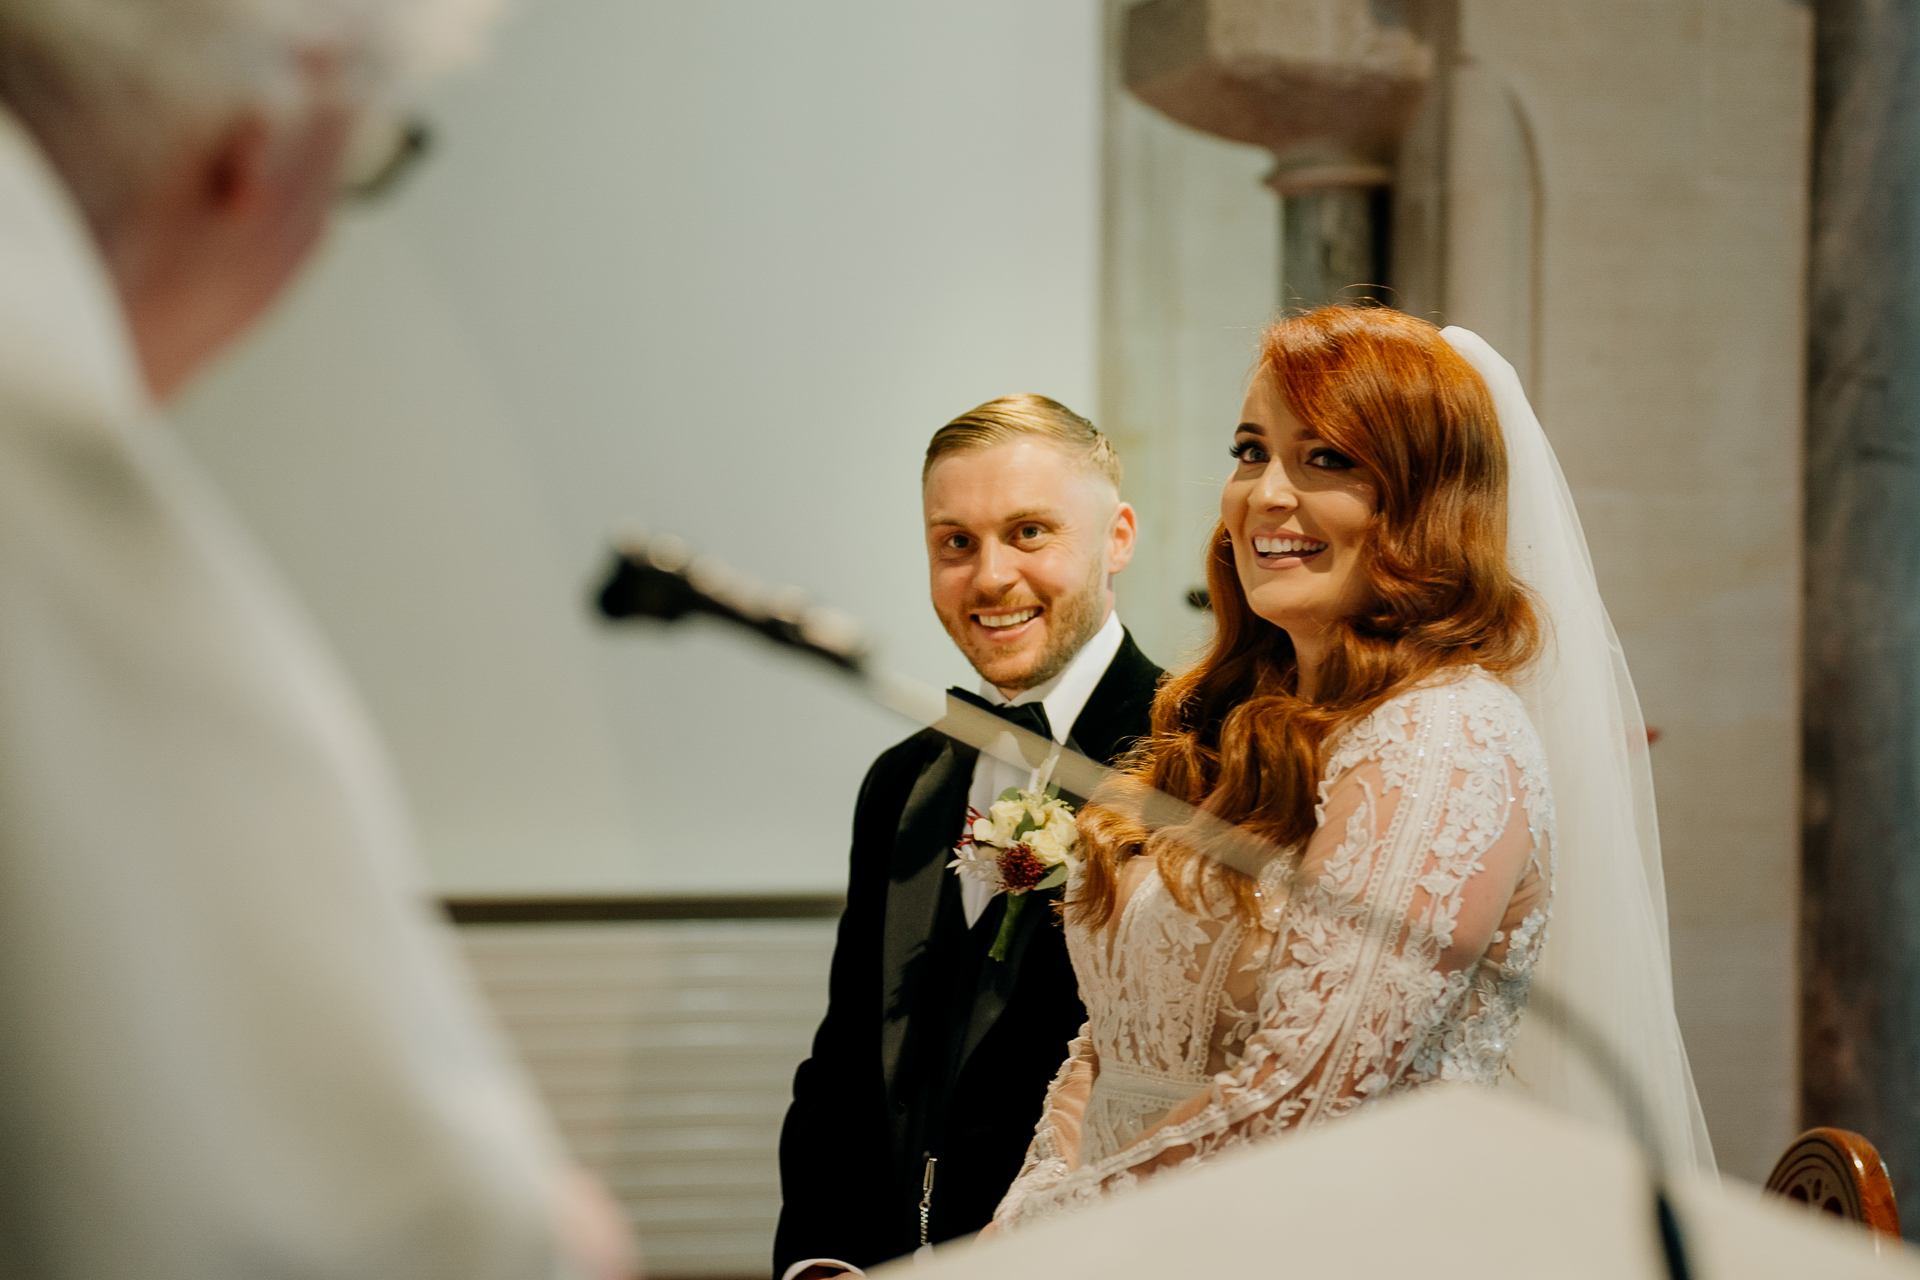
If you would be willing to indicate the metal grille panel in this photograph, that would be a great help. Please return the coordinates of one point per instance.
(666, 1050)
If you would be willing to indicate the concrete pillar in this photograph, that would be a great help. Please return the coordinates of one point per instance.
(1330, 87)
(1860, 942)
(1334, 244)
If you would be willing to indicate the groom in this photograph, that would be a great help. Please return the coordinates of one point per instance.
(912, 1116)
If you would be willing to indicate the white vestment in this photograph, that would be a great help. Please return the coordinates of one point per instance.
(234, 1040)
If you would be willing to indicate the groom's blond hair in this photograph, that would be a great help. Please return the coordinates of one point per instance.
(1011, 417)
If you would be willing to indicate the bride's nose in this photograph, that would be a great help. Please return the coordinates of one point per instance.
(1274, 489)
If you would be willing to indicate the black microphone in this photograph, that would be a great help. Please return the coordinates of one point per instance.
(661, 579)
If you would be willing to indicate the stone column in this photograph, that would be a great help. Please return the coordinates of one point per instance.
(1860, 941)
(1330, 87)
(1335, 243)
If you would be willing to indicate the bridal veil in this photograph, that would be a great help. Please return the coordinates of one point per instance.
(1607, 958)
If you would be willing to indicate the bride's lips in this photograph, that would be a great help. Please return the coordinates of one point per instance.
(1002, 625)
(1285, 550)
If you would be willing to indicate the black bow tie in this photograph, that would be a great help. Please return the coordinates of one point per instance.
(1030, 716)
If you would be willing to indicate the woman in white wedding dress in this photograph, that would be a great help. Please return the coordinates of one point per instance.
(1364, 706)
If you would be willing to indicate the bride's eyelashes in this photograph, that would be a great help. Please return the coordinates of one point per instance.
(1252, 453)
(1330, 460)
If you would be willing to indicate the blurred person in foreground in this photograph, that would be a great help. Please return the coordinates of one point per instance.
(234, 1043)
(948, 1009)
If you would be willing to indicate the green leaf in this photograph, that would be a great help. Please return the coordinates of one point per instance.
(1025, 825)
(1056, 876)
(1011, 793)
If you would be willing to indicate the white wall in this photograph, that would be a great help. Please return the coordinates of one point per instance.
(717, 269)
(1193, 277)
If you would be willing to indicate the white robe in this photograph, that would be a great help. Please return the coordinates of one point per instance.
(234, 1040)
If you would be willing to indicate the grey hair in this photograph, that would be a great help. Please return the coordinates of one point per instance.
(108, 85)
(214, 54)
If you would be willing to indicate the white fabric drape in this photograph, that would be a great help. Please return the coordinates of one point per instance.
(1607, 953)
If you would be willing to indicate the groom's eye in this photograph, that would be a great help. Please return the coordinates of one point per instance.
(1031, 531)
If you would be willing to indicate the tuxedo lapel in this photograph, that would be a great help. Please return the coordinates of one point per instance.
(922, 847)
(997, 977)
(1121, 706)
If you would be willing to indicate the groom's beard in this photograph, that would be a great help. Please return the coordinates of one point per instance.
(1071, 621)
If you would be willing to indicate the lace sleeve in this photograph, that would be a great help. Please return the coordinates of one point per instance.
(1054, 1152)
(1423, 837)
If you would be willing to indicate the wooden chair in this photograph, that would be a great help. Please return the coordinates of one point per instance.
(1837, 1172)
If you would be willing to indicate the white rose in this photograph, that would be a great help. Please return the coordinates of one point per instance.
(1006, 815)
(1047, 846)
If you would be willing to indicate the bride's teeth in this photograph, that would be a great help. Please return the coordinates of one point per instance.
(1285, 546)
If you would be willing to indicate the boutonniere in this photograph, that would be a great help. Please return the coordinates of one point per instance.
(1023, 842)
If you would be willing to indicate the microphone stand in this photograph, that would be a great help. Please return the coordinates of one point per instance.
(1592, 1047)
(660, 579)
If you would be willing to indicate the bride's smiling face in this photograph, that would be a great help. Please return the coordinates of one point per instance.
(1298, 511)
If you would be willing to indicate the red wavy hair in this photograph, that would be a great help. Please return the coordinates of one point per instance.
(1231, 734)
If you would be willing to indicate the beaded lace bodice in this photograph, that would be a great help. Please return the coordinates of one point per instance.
(1393, 950)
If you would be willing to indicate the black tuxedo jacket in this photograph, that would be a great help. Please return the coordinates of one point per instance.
(851, 1163)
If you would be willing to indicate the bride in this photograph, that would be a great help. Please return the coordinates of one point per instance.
(1403, 668)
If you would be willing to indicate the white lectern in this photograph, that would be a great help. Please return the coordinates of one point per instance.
(1451, 1183)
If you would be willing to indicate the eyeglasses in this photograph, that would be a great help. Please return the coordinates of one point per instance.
(383, 150)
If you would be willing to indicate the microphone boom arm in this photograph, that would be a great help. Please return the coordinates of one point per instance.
(660, 580)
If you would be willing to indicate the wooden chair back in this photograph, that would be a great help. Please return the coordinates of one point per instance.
(1841, 1173)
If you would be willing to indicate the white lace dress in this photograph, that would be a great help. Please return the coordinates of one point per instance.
(1395, 951)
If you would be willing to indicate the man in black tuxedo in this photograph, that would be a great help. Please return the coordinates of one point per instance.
(912, 1116)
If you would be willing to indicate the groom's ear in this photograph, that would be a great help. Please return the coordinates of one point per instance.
(1121, 534)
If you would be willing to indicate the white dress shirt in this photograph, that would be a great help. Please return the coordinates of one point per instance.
(234, 1040)
(1063, 697)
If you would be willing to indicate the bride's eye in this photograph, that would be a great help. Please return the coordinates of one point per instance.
(1248, 452)
(1330, 460)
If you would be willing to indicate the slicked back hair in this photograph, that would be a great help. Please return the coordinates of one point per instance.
(1014, 417)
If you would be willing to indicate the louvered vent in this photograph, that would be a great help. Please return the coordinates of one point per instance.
(666, 1050)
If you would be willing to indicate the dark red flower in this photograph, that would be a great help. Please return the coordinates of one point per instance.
(1020, 869)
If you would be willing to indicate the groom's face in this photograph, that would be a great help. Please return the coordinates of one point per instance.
(1021, 540)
